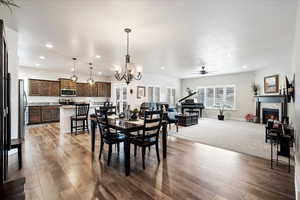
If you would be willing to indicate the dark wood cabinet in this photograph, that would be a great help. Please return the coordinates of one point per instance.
(82, 90)
(43, 87)
(104, 89)
(93, 90)
(67, 84)
(43, 114)
(34, 115)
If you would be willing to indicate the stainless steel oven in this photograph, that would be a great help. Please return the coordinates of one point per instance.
(67, 92)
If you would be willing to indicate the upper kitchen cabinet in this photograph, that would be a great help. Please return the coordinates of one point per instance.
(82, 90)
(43, 88)
(93, 89)
(67, 84)
(104, 89)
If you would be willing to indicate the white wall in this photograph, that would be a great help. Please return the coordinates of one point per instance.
(244, 94)
(12, 40)
(162, 81)
(296, 70)
(36, 73)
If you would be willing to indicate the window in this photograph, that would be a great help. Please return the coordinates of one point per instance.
(157, 94)
(171, 96)
(150, 94)
(214, 97)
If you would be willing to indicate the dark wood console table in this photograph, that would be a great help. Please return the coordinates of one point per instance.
(282, 99)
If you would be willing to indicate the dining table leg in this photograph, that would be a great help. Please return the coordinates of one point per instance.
(164, 138)
(127, 155)
(93, 134)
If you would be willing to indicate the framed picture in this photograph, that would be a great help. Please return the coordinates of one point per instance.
(141, 92)
(271, 84)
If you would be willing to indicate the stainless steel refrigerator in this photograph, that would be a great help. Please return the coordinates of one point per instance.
(22, 109)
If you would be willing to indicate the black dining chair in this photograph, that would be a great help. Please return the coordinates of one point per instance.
(150, 135)
(107, 136)
(81, 115)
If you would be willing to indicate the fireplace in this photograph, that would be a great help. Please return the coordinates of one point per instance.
(269, 113)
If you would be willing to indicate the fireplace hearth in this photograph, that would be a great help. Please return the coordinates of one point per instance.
(269, 113)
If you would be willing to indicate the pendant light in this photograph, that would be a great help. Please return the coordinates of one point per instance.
(74, 78)
(91, 81)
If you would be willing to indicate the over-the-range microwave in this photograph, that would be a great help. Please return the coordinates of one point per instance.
(68, 92)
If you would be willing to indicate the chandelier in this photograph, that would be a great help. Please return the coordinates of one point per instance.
(130, 71)
(74, 78)
(90, 80)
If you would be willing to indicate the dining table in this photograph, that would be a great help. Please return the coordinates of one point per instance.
(127, 127)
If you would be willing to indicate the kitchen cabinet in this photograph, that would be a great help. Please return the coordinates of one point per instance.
(67, 84)
(104, 89)
(82, 90)
(43, 87)
(43, 114)
(34, 115)
(93, 90)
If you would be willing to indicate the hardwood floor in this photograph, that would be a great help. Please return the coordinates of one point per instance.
(58, 166)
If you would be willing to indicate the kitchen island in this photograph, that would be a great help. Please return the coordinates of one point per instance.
(66, 111)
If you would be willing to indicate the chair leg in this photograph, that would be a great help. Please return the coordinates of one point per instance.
(118, 147)
(149, 148)
(71, 126)
(157, 151)
(135, 148)
(109, 154)
(76, 127)
(177, 127)
(101, 148)
(20, 156)
(143, 157)
(83, 126)
(169, 126)
(87, 126)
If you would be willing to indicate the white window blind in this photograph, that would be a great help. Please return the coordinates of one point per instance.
(157, 94)
(210, 97)
(150, 94)
(214, 97)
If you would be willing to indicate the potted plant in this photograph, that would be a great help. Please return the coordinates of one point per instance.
(249, 117)
(255, 88)
(221, 112)
(134, 114)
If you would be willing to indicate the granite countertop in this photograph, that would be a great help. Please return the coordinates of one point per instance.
(44, 104)
(73, 106)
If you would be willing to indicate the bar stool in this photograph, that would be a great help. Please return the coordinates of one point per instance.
(81, 114)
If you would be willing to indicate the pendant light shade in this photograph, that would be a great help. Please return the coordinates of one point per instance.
(90, 80)
(74, 77)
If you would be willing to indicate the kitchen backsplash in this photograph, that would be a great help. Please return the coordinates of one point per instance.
(37, 99)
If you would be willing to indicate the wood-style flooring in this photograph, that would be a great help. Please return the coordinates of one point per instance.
(61, 166)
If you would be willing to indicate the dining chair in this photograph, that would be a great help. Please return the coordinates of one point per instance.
(81, 115)
(107, 136)
(150, 134)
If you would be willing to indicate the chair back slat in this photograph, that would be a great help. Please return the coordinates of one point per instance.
(103, 124)
(82, 109)
(152, 124)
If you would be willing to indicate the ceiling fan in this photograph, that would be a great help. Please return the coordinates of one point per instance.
(203, 71)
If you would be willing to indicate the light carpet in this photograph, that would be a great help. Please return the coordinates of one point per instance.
(239, 136)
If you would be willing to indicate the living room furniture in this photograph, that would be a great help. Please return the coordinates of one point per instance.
(187, 120)
(171, 117)
(150, 134)
(81, 115)
(108, 137)
(127, 127)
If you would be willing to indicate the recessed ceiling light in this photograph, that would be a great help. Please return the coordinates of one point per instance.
(163, 68)
(42, 57)
(50, 46)
(98, 56)
(244, 67)
(99, 73)
(37, 64)
(72, 69)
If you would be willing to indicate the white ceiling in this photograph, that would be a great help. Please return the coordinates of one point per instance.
(175, 34)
